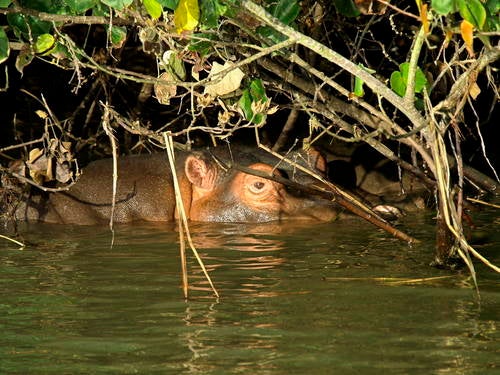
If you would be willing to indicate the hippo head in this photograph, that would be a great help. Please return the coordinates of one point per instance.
(219, 195)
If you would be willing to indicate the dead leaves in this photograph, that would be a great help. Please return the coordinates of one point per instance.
(223, 84)
(52, 164)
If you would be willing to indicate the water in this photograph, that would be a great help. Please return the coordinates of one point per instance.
(326, 299)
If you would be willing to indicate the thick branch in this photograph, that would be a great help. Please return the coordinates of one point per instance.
(67, 19)
(377, 87)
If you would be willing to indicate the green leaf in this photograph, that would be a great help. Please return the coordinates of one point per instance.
(44, 44)
(286, 11)
(420, 81)
(245, 104)
(269, 33)
(346, 8)
(49, 6)
(358, 87)
(211, 10)
(118, 35)
(493, 6)
(5, 3)
(117, 4)
(153, 8)
(258, 91)
(399, 79)
(80, 6)
(398, 85)
(358, 82)
(443, 7)
(473, 11)
(169, 4)
(174, 65)
(255, 93)
(4, 46)
(492, 19)
(27, 25)
(203, 47)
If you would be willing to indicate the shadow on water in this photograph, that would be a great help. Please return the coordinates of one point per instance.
(332, 298)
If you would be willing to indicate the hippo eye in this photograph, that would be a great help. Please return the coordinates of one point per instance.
(258, 185)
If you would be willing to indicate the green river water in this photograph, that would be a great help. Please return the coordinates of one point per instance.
(340, 298)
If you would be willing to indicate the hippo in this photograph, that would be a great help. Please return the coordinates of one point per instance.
(210, 191)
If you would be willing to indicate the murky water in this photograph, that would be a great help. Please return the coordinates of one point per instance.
(340, 298)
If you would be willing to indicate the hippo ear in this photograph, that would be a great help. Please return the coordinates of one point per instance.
(200, 172)
(317, 160)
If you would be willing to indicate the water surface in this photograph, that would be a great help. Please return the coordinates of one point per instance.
(340, 298)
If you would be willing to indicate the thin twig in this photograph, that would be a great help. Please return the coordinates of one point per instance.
(180, 208)
(12, 240)
(109, 132)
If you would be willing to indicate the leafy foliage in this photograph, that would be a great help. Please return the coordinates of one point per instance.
(213, 67)
(253, 97)
(399, 79)
(4, 46)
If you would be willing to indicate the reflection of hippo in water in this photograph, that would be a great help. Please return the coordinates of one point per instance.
(209, 192)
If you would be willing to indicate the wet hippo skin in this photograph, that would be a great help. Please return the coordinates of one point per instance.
(209, 192)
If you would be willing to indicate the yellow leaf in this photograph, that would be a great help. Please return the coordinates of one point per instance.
(186, 15)
(466, 29)
(424, 19)
(474, 90)
(34, 155)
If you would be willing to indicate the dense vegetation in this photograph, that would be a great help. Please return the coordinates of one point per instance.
(414, 80)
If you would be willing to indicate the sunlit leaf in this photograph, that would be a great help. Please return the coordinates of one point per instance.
(473, 11)
(398, 85)
(443, 6)
(153, 8)
(117, 4)
(399, 79)
(359, 83)
(467, 32)
(358, 87)
(4, 46)
(5, 3)
(80, 6)
(186, 15)
(44, 44)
